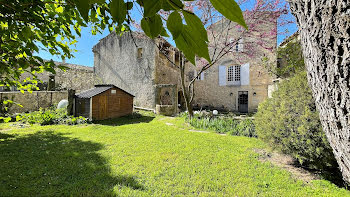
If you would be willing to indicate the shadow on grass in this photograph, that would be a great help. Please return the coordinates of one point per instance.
(332, 174)
(131, 119)
(4, 136)
(50, 164)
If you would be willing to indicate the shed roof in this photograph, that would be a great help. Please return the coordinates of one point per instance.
(98, 89)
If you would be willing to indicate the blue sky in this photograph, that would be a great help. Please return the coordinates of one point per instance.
(85, 56)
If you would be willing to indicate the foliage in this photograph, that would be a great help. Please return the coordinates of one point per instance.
(146, 158)
(50, 117)
(227, 125)
(5, 105)
(289, 121)
(26, 27)
(290, 59)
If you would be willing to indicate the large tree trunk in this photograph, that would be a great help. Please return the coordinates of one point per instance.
(324, 27)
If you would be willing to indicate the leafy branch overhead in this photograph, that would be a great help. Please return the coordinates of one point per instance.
(186, 28)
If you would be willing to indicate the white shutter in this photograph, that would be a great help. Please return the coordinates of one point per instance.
(202, 76)
(245, 74)
(222, 75)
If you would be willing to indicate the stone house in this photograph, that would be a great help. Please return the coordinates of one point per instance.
(239, 80)
(139, 65)
(134, 63)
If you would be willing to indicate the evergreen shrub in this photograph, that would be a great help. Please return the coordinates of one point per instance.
(290, 122)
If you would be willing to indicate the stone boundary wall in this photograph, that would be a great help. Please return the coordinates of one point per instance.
(33, 101)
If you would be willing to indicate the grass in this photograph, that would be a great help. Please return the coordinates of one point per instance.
(140, 157)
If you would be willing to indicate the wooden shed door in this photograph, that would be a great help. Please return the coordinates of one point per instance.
(103, 113)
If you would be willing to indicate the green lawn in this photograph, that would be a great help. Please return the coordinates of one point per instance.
(140, 157)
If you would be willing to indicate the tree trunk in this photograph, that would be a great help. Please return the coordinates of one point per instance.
(185, 92)
(324, 27)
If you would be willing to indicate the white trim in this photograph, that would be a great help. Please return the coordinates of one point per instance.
(222, 75)
(245, 78)
(90, 114)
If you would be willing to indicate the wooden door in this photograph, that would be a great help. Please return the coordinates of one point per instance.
(103, 110)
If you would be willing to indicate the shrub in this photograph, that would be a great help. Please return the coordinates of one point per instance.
(223, 125)
(289, 122)
(50, 117)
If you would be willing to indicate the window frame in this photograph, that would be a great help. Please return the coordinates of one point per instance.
(233, 75)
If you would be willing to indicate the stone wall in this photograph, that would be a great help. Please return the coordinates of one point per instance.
(33, 101)
(75, 77)
(117, 61)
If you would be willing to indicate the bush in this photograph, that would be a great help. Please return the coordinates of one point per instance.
(50, 117)
(223, 125)
(289, 122)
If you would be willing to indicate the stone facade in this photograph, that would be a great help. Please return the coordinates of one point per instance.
(134, 63)
(214, 90)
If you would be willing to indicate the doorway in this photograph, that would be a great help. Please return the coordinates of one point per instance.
(243, 101)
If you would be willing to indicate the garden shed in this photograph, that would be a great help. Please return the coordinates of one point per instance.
(103, 102)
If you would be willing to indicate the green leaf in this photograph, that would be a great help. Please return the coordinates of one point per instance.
(164, 33)
(196, 26)
(97, 1)
(191, 45)
(152, 26)
(151, 7)
(118, 10)
(174, 24)
(168, 5)
(83, 8)
(27, 32)
(59, 9)
(185, 46)
(129, 5)
(230, 9)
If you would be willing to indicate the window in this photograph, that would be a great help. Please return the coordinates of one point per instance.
(234, 75)
(237, 73)
(230, 73)
(139, 52)
(239, 45)
(200, 77)
(114, 91)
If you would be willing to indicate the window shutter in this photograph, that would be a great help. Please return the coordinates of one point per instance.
(222, 75)
(202, 75)
(245, 74)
